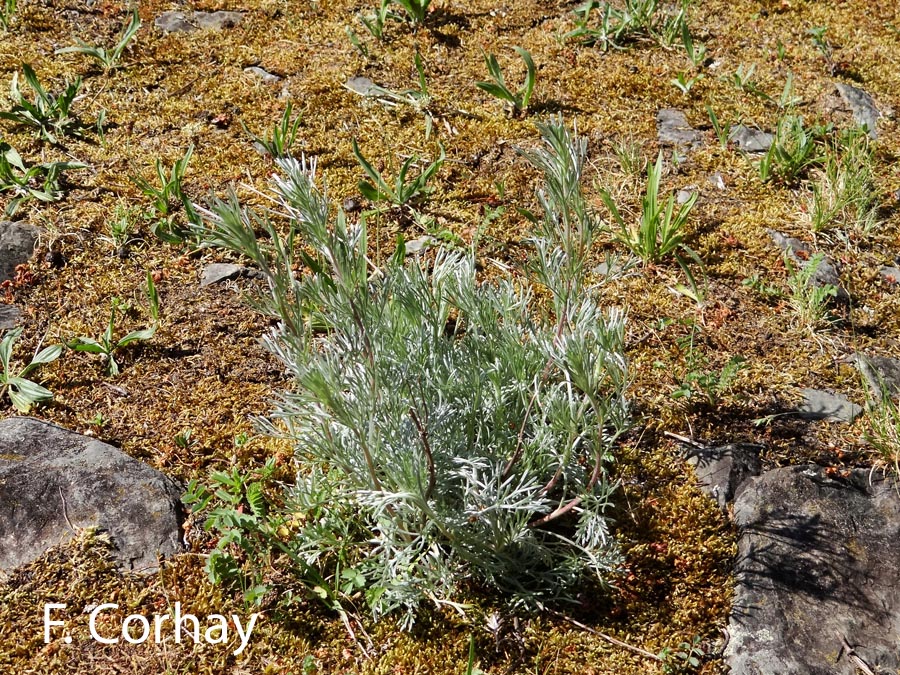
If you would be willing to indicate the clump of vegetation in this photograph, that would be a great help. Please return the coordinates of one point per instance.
(7, 10)
(414, 12)
(107, 346)
(443, 428)
(108, 58)
(843, 192)
(39, 181)
(808, 298)
(638, 20)
(794, 149)
(518, 101)
(166, 199)
(51, 115)
(405, 190)
(284, 133)
(660, 231)
(24, 393)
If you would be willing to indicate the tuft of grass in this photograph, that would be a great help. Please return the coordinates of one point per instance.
(808, 299)
(659, 233)
(416, 10)
(50, 115)
(639, 20)
(843, 191)
(405, 191)
(284, 133)
(166, 199)
(7, 11)
(793, 151)
(517, 102)
(108, 58)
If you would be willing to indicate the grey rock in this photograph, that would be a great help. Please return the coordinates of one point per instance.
(607, 269)
(262, 74)
(826, 275)
(818, 562)
(420, 244)
(17, 242)
(187, 22)
(360, 85)
(723, 470)
(824, 405)
(215, 273)
(174, 22)
(750, 140)
(684, 195)
(717, 181)
(890, 274)
(672, 128)
(863, 107)
(52, 480)
(10, 315)
(882, 374)
(217, 20)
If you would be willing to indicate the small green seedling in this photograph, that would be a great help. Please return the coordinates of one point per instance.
(50, 115)
(696, 52)
(284, 133)
(684, 83)
(107, 345)
(40, 181)
(518, 102)
(23, 392)
(108, 58)
(416, 10)
(121, 227)
(404, 191)
(375, 23)
(164, 198)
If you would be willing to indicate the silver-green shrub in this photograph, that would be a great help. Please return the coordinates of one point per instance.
(446, 428)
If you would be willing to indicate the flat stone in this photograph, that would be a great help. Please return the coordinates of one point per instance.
(53, 480)
(824, 405)
(881, 373)
(17, 242)
(818, 563)
(672, 128)
(722, 471)
(684, 194)
(717, 181)
(174, 22)
(360, 85)
(826, 275)
(10, 315)
(262, 74)
(891, 275)
(215, 273)
(750, 140)
(861, 105)
(218, 20)
(419, 245)
(187, 22)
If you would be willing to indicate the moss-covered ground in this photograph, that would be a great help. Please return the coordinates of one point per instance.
(205, 370)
